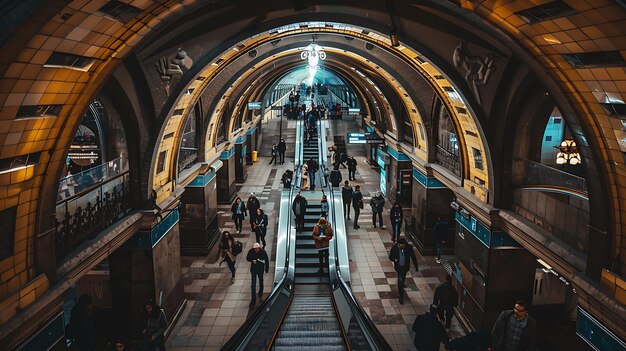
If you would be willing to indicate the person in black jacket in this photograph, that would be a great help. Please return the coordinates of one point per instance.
(401, 255)
(346, 196)
(515, 330)
(446, 298)
(252, 205)
(357, 205)
(239, 213)
(335, 176)
(377, 203)
(396, 215)
(260, 227)
(429, 333)
(226, 248)
(299, 210)
(313, 168)
(282, 147)
(275, 154)
(81, 327)
(259, 263)
(351, 168)
(155, 325)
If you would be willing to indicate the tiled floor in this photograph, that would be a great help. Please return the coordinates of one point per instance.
(216, 308)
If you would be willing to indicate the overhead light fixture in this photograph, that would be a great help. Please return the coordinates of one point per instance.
(568, 154)
(394, 39)
(313, 53)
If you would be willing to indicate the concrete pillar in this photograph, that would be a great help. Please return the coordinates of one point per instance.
(431, 200)
(226, 177)
(147, 265)
(251, 140)
(198, 221)
(492, 271)
(398, 162)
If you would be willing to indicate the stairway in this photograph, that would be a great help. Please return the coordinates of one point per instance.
(310, 324)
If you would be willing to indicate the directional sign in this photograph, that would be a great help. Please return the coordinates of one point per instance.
(364, 138)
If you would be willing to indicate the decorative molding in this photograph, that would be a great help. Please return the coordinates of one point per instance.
(170, 67)
(478, 70)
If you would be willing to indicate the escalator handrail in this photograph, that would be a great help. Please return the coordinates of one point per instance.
(285, 281)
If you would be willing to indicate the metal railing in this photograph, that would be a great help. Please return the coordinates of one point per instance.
(75, 184)
(537, 174)
(95, 205)
(449, 160)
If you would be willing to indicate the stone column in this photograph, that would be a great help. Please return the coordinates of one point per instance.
(226, 177)
(147, 265)
(240, 165)
(430, 201)
(198, 221)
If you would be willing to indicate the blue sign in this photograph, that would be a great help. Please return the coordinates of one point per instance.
(254, 105)
(383, 181)
(595, 334)
(364, 138)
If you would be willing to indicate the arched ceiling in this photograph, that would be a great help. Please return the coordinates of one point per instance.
(42, 100)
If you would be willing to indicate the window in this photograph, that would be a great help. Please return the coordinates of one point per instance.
(71, 61)
(161, 162)
(120, 11)
(478, 158)
(38, 111)
(545, 12)
(7, 231)
(18, 162)
(557, 120)
(548, 137)
(596, 59)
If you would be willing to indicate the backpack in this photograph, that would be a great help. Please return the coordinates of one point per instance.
(237, 247)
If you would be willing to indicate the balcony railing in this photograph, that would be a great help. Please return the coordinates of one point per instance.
(537, 174)
(97, 203)
(449, 160)
(74, 185)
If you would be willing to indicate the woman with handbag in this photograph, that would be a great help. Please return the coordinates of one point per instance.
(357, 205)
(239, 213)
(226, 247)
(260, 227)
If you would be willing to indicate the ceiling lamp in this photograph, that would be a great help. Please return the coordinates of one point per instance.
(313, 53)
(568, 154)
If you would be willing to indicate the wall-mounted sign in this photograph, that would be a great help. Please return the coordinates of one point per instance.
(254, 105)
(595, 334)
(364, 138)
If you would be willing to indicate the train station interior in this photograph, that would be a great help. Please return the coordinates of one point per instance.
(493, 131)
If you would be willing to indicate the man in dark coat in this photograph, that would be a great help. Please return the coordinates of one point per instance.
(357, 205)
(396, 215)
(299, 210)
(351, 168)
(346, 197)
(252, 205)
(401, 255)
(446, 298)
(282, 147)
(377, 202)
(429, 333)
(335, 176)
(259, 263)
(515, 330)
(313, 167)
(440, 233)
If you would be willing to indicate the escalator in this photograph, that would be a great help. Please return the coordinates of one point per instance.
(307, 309)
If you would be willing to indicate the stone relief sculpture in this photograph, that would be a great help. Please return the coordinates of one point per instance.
(170, 67)
(478, 70)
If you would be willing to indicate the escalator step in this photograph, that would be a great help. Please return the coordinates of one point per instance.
(321, 340)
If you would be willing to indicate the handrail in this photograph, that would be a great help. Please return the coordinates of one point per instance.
(74, 185)
(264, 322)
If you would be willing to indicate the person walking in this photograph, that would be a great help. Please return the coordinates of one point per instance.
(299, 210)
(259, 264)
(357, 205)
(401, 255)
(313, 167)
(335, 176)
(515, 330)
(346, 197)
(274, 155)
(252, 205)
(239, 213)
(377, 202)
(324, 207)
(343, 158)
(81, 327)
(351, 168)
(429, 333)
(228, 256)
(446, 298)
(440, 233)
(282, 147)
(396, 215)
(260, 227)
(155, 324)
(322, 233)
